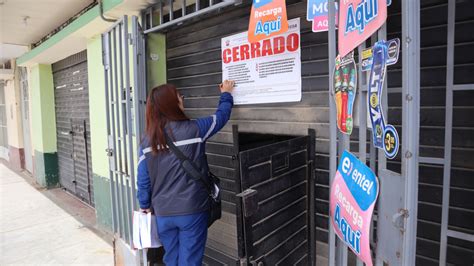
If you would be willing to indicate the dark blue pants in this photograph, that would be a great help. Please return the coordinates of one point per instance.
(183, 238)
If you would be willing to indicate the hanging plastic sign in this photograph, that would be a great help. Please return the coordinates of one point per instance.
(383, 53)
(268, 18)
(317, 12)
(354, 191)
(358, 20)
(345, 88)
(393, 46)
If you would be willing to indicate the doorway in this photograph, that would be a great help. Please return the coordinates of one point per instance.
(72, 126)
(276, 207)
(3, 123)
(25, 118)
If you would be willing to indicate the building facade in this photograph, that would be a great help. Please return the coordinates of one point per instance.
(55, 123)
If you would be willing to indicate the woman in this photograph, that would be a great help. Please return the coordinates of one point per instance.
(179, 203)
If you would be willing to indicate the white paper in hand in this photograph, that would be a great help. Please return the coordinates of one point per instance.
(145, 232)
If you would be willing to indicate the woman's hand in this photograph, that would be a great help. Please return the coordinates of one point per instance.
(145, 210)
(227, 86)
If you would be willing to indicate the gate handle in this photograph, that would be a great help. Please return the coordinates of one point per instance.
(249, 202)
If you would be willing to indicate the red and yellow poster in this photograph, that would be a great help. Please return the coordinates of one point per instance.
(267, 19)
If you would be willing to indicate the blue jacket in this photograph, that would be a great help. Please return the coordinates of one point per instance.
(162, 183)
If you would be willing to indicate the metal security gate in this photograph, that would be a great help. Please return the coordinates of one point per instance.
(25, 118)
(277, 183)
(72, 126)
(393, 237)
(125, 105)
(448, 230)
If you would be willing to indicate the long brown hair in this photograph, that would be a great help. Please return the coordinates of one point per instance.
(162, 106)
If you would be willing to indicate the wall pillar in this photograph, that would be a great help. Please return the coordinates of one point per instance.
(15, 129)
(43, 128)
(98, 126)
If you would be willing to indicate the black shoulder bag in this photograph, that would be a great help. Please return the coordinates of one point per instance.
(215, 209)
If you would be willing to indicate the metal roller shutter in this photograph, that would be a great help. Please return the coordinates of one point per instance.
(72, 126)
(194, 65)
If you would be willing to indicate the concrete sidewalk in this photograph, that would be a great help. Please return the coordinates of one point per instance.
(34, 230)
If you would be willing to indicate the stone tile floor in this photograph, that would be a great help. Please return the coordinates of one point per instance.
(36, 231)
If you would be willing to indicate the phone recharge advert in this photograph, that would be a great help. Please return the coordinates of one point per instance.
(354, 192)
(268, 71)
(267, 18)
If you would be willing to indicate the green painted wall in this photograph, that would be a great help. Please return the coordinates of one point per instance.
(98, 122)
(43, 115)
(43, 119)
(46, 169)
(98, 127)
(156, 48)
(103, 206)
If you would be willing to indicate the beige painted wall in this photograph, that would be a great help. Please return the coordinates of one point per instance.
(30, 105)
(12, 100)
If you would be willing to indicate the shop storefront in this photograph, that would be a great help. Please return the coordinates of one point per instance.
(298, 114)
(272, 220)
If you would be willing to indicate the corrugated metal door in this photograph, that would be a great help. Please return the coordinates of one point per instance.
(72, 126)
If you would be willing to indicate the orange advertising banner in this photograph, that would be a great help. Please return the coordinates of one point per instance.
(268, 18)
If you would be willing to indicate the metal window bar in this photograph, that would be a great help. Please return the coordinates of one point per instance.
(139, 61)
(148, 15)
(171, 14)
(143, 89)
(130, 165)
(332, 123)
(161, 14)
(450, 88)
(106, 47)
(183, 7)
(381, 160)
(410, 123)
(362, 115)
(116, 113)
(338, 252)
(197, 12)
(410, 113)
(136, 78)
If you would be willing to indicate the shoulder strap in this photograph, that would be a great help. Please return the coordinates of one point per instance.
(188, 165)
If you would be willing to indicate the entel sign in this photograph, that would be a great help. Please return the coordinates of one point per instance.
(354, 192)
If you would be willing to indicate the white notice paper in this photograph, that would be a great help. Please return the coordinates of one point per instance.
(268, 71)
